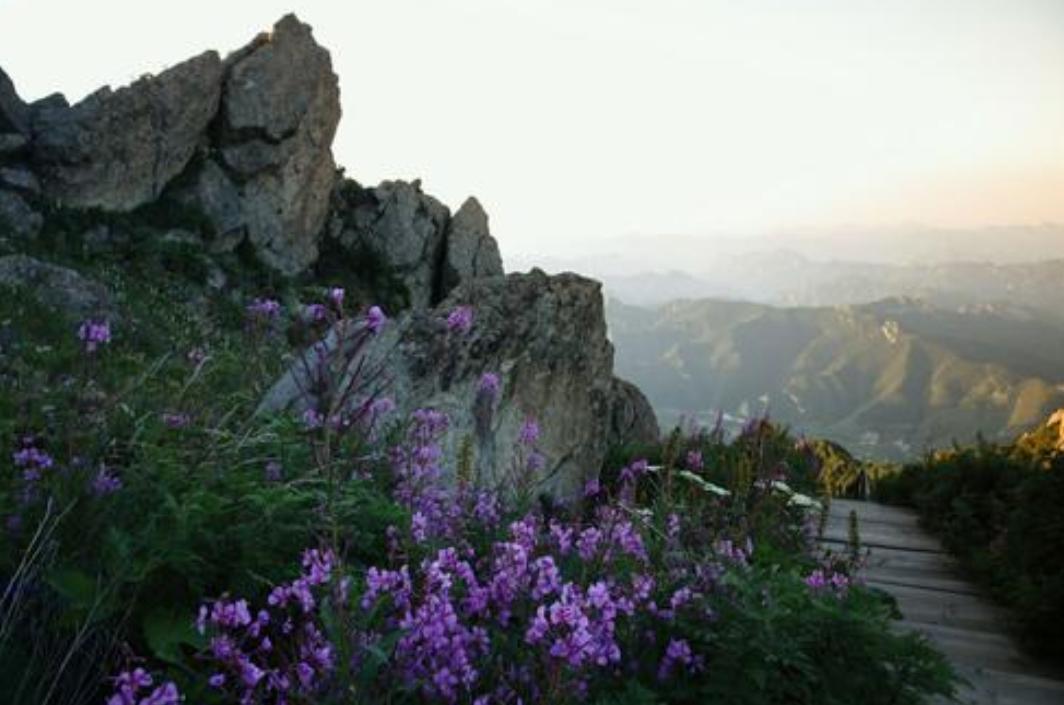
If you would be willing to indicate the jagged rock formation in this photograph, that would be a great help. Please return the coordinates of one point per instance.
(119, 149)
(280, 109)
(401, 226)
(14, 114)
(416, 236)
(545, 336)
(471, 250)
(246, 142)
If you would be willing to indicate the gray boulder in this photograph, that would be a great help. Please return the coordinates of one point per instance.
(281, 107)
(403, 227)
(119, 149)
(545, 336)
(17, 218)
(19, 178)
(57, 287)
(12, 143)
(632, 418)
(471, 250)
(14, 114)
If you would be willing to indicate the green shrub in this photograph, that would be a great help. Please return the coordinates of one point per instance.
(998, 510)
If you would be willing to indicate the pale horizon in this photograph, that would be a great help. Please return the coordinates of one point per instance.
(580, 122)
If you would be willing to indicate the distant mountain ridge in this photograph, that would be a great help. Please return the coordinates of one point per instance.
(786, 278)
(887, 379)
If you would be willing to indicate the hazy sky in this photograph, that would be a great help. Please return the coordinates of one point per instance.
(578, 120)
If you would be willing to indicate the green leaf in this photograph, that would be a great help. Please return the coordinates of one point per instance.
(166, 631)
(77, 587)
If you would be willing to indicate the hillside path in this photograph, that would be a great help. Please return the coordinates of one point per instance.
(912, 566)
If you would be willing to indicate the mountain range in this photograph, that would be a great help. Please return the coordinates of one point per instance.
(887, 379)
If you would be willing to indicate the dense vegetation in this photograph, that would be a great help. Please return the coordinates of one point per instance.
(997, 507)
(156, 528)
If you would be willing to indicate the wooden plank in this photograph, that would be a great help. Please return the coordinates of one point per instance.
(966, 647)
(920, 561)
(913, 541)
(920, 579)
(910, 565)
(870, 511)
(946, 608)
(900, 521)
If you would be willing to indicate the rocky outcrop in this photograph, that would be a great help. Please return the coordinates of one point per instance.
(119, 149)
(471, 251)
(14, 114)
(545, 336)
(415, 236)
(281, 107)
(17, 219)
(247, 141)
(632, 418)
(58, 287)
(402, 227)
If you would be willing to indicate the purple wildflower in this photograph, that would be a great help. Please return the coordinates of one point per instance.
(176, 420)
(375, 319)
(128, 687)
(264, 309)
(536, 461)
(273, 471)
(315, 313)
(592, 488)
(489, 385)
(336, 296)
(694, 460)
(633, 472)
(313, 419)
(460, 320)
(105, 482)
(382, 406)
(93, 334)
(677, 653)
(529, 432)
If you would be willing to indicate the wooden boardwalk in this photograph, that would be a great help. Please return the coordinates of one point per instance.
(911, 565)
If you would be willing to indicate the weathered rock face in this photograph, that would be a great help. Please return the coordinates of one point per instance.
(632, 418)
(280, 110)
(250, 138)
(545, 336)
(59, 287)
(119, 149)
(247, 142)
(17, 218)
(403, 227)
(14, 114)
(471, 250)
(415, 235)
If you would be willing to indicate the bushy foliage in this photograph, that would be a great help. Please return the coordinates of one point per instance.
(162, 537)
(998, 509)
